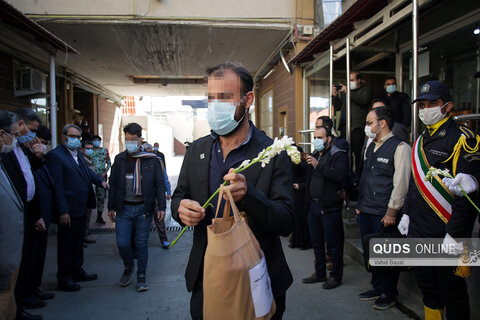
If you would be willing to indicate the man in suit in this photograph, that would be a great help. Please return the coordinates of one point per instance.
(264, 194)
(21, 163)
(11, 228)
(74, 181)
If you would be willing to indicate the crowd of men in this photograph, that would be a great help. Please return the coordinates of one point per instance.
(38, 188)
(392, 196)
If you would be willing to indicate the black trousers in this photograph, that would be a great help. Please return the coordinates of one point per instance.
(70, 249)
(196, 303)
(33, 258)
(161, 229)
(441, 288)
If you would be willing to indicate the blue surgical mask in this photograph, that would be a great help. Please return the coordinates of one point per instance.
(88, 152)
(96, 143)
(73, 143)
(221, 117)
(318, 144)
(28, 137)
(391, 88)
(155, 148)
(131, 146)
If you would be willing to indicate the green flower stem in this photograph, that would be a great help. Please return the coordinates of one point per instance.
(466, 195)
(237, 170)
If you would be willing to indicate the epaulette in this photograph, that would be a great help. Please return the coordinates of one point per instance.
(467, 134)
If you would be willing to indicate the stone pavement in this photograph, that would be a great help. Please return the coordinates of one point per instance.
(168, 298)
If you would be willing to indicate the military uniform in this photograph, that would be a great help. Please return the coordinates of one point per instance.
(101, 164)
(453, 147)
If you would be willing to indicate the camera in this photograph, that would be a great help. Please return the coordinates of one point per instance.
(338, 87)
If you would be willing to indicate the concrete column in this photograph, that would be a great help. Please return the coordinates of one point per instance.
(53, 102)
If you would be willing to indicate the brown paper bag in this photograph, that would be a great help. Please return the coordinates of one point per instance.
(236, 284)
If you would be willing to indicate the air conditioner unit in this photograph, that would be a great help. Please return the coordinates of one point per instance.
(29, 81)
(307, 30)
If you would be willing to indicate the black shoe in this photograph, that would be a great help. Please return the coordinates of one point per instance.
(43, 295)
(369, 295)
(101, 221)
(68, 286)
(24, 315)
(85, 277)
(383, 302)
(33, 303)
(331, 283)
(314, 278)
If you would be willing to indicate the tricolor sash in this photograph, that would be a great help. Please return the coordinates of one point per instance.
(434, 191)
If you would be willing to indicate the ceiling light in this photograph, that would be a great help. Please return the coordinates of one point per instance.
(269, 73)
(477, 30)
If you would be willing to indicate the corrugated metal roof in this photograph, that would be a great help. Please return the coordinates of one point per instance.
(12, 16)
(342, 26)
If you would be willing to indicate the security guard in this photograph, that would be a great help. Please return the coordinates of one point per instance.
(436, 209)
(101, 163)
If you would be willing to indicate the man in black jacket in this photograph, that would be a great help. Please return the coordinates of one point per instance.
(264, 194)
(328, 166)
(137, 192)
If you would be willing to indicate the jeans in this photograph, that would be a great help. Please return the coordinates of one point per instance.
(383, 281)
(133, 217)
(326, 227)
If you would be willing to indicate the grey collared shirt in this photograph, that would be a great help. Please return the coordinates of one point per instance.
(26, 170)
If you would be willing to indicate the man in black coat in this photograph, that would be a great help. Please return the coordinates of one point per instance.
(74, 182)
(264, 194)
(328, 166)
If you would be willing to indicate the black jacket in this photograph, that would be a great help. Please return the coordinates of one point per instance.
(73, 182)
(153, 184)
(268, 205)
(424, 222)
(333, 166)
(14, 170)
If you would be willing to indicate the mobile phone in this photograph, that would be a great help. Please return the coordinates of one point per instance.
(303, 155)
(338, 87)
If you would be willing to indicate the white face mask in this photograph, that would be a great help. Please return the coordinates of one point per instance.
(430, 116)
(369, 133)
(353, 85)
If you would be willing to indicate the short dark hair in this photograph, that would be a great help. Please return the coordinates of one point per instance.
(327, 130)
(96, 137)
(358, 75)
(245, 76)
(385, 103)
(446, 99)
(389, 77)
(44, 133)
(27, 115)
(326, 121)
(384, 113)
(133, 129)
(7, 120)
(85, 142)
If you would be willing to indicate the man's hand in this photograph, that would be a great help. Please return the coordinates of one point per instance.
(190, 212)
(465, 180)
(295, 186)
(238, 185)
(65, 220)
(312, 161)
(160, 215)
(388, 221)
(111, 215)
(40, 225)
(344, 88)
(105, 185)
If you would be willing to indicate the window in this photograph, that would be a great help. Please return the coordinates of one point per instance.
(266, 113)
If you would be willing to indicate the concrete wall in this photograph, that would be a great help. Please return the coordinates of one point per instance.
(106, 118)
(283, 9)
